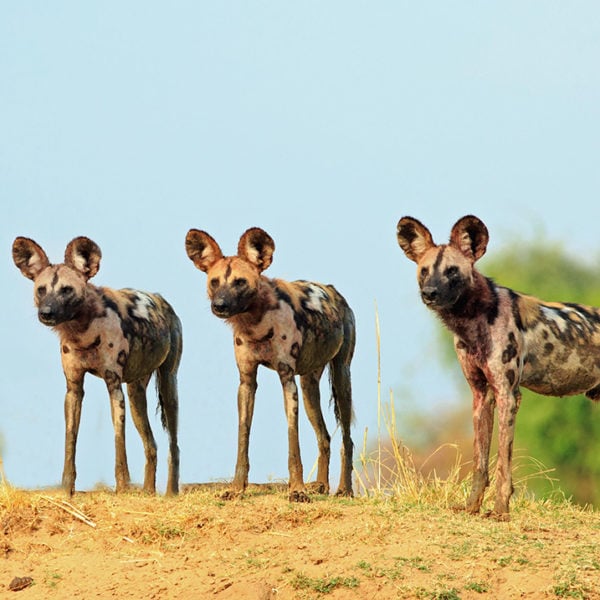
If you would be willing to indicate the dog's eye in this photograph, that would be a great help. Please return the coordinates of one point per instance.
(41, 291)
(66, 290)
(214, 283)
(451, 272)
(423, 272)
(240, 282)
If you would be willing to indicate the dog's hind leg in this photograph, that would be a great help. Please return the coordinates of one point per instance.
(312, 404)
(139, 413)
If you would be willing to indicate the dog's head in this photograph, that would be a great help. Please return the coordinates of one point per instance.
(59, 290)
(232, 280)
(444, 272)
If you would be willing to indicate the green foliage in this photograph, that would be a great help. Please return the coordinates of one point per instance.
(562, 433)
(324, 585)
(475, 586)
(545, 270)
(441, 594)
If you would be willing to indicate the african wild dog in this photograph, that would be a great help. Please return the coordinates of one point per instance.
(294, 328)
(118, 335)
(503, 339)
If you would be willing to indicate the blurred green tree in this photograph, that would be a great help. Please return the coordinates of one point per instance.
(562, 433)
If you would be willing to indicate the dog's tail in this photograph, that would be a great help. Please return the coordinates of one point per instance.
(166, 381)
(341, 391)
(164, 396)
(339, 373)
(168, 402)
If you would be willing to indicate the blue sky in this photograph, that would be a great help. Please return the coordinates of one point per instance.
(323, 123)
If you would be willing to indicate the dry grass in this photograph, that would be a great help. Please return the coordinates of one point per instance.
(132, 545)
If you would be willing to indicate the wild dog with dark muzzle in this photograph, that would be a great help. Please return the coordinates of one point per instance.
(294, 328)
(122, 336)
(503, 339)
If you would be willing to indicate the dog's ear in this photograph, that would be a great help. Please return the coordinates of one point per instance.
(470, 236)
(29, 257)
(257, 247)
(202, 249)
(414, 238)
(83, 255)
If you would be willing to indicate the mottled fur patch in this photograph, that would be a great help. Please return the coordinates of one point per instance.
(503, 340)
(294, 328)
(122, 336)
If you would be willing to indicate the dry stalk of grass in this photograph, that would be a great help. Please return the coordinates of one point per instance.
(2, 473)
(390, 470)
(7, 492)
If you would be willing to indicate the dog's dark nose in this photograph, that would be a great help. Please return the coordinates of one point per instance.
(429, 294)
(220, 306)
(46, 314)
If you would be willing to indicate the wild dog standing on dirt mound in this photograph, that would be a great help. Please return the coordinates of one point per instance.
(503, 339)
(294, 328)
(117, 335)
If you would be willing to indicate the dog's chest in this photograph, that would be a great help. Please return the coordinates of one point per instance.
(100, 347)
(275, 339)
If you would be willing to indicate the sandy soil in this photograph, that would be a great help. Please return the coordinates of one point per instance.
(100, 545)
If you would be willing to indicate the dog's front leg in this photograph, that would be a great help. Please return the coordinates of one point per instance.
(508, 405)
(73, 402)
(245, 398)
(290, 399)
(117, 410)
(483, 425)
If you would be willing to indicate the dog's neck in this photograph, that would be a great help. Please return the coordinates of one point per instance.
(264, 301)
(474, 311)
(91, 308)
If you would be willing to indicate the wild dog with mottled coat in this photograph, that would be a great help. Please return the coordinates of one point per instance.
(294, 328)
(121, 336)
(503, 340)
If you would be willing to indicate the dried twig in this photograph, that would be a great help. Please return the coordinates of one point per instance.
(72, 510)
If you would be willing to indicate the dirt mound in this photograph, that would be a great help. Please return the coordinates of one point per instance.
(100, 545)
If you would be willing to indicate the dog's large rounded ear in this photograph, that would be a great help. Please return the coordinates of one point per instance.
(470, 236)
(83, 255)
(414, 238)
(257, 247)
(202, 249)
(29, 257)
